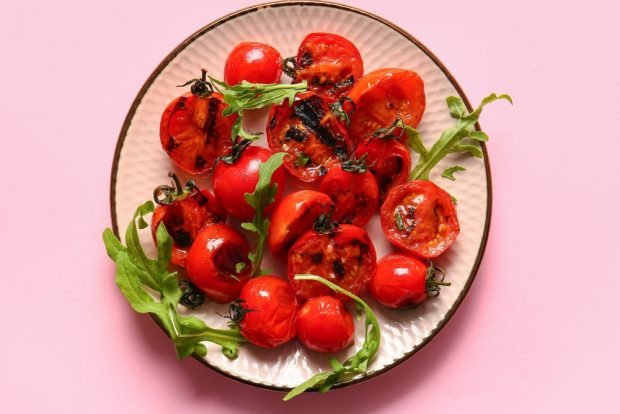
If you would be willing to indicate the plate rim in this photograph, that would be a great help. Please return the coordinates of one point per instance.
(315, 3)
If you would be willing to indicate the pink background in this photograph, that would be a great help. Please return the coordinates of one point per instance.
(538, 331)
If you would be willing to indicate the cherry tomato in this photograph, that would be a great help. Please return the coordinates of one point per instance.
(315, 139)
(330, 63)
(253, 62)
(324, 324)
(419, 218)
(388, 160)
(354, 191)
(381, 97)
(184, 216)
(193, 131)
(270, 310)
(345, 256)
(232, 181)
(217, 262)
(293, 217)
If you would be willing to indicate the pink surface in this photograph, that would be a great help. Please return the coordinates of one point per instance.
(538, 331)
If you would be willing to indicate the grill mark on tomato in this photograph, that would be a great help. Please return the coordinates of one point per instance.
(171, 145)
(273, 122)
(296, 134)
(364, 249)
(214, 106)
(310, 112)
(338, 269)
(200, 162)
(306, 60)
(182, 238)
(180, 104)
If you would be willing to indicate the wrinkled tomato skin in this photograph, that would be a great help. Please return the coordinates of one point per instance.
(184, 219)
(212, 259)
(345, 257)
(400, 281)
(330, 64)
(253, 62)
(388, 160)
(232, 182)
(293, 217)
(194, 132)
(308, 128)
(429, 221)
(271, 321)
(324, 324)
(355, 195)
(381, 97)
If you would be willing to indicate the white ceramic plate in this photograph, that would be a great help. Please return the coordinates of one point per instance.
(140, 165)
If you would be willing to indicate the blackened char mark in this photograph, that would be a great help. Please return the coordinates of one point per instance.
(180, 103)
(171, 145)
(214, 106)
(200, 162)
(338, 269)
(310, 111)
(182, 238)
(306, 60)
(296, 134)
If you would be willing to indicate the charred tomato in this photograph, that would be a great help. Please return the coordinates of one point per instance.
(324, 324)
(253, 62)
(420, 218)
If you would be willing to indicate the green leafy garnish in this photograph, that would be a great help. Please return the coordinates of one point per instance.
(460, 138)
(358, 363)
(399, 221)
(302, 159)
(135, 271)
(239, 267)
(264, 194)
(449, 172)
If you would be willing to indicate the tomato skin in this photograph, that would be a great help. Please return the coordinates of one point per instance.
(253, 62)
(330, 63)
(271, 322)
(345, 257)
(232, 182)
(293, 217)
(324, 324)
(194, 132)
(212, 259)
(388, 160)
(355, 195)
(400, 281)
(430, 223)
(383, 95)
(184, 219)
(308, 128)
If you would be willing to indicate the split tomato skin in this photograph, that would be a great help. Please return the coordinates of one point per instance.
(293, 217)
(345, 256)
(232, 181)
(253, 62)
(271, 308)
(355, 195)
(400, 281)
(212, 261)
(194, 132)
(184, 219)
(428, 223)
(312, 136)
(381, 97)
(325, 325)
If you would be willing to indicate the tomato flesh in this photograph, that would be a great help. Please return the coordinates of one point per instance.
(253, 62)
(324, 324)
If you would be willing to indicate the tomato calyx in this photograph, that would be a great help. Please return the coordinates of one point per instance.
(192, 297)
(168, 194)
(433, 284)
(358, 166)
(388, 131)
(200, 87)
(289, 66)
(236, 151)
(324, 224)
(340, 112)
(236, 312)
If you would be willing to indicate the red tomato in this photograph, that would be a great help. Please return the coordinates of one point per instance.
(330, 63)
(324, 324)
(232, 181)
(344, 256)
(253, 62)
(213, 259)
(271, 308)
(420, 218)
(293, 217)
(184, 218)
(315, 139)
(388, 160)
(354, 192)
(381, 97)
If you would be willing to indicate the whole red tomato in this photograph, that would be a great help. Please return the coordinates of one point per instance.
(419, 218)
(253, 62)
(330, 63)
(354, 192)
(218, 263)
(324, 324)
(381, 97)
(269, 306)
(314, 138)
(293, 217)
(237, 174)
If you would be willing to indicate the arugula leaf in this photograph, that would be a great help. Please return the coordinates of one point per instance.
(135, 271)
(449, 172)
(264, 193)
(453, 139)
(358, 363)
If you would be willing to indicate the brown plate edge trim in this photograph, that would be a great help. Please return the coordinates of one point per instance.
(431, 55)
